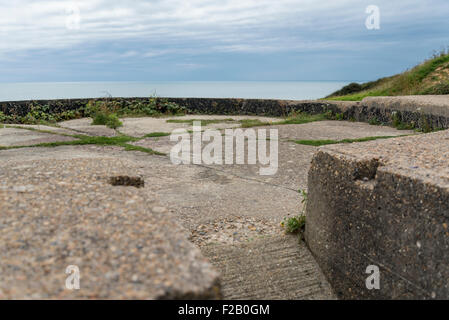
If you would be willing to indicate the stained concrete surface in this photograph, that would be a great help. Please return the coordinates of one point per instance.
(382, 203)
(60, 213)
(20, 137)
(225, 210)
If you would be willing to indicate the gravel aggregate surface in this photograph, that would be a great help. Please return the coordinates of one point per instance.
(127, 246)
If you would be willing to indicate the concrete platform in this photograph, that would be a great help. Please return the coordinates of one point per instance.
(46, 128)
(21, 137)
(379, 203)
(383, 203)
(58, 213)
(84, 126)
(138, 127)
(294, 159)
(230, 208)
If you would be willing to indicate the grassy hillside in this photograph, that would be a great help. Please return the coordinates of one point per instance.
(430, 77)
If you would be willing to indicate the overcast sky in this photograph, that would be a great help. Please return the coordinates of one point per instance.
(112, 40)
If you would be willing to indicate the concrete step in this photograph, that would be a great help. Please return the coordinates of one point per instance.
(275, 267)
(384, 204)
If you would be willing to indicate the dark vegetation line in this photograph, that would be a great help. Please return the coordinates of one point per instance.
(318, 143)
(104, 112)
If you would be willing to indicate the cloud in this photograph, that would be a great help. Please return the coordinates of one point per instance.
(228, 25)
(180, 32)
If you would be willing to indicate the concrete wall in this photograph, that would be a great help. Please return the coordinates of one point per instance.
(420, 111)
(194, 105)
(383, 203)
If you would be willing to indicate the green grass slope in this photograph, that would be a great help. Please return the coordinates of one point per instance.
(430, 77)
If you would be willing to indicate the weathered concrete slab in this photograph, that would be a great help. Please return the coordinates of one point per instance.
(40, 127)
(138, 127)
(202, 198)
(335, 130)
(383, 203)
(434, 105)
(235, 208)
(56, 213)
(199, 195)
(294, 159)
(272, 268)
(216, 208)
(21, 137)
(28, 155)
(232, 207)
(85, 126)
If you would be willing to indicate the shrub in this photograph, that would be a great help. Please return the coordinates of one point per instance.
(340, 117)
(440, 88)
(396, 120)
(374, 121)
(350, 88)
(100, 119)
(152, 107)
(3, 117)
(40, 114)
(113, 121)
(104, 113)
(110, 120)
(174, 108)
(298, 223)
(294, 224)
(425, 124)
(99, 111)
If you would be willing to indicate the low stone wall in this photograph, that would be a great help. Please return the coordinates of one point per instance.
(382, 203)
(194, 105)
(273, 108)
(21, 108)
(424, 112)
(420, 111)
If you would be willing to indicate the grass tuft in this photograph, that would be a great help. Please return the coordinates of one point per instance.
(203, 121)
(156, 134)
(318, 143)
(297, 224)
(294, 118)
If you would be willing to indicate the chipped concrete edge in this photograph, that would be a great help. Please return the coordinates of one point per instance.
(361, 214)
(391, 219)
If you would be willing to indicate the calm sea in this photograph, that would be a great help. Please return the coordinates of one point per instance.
(295, 90)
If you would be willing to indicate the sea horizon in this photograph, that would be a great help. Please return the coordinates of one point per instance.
(288, 90)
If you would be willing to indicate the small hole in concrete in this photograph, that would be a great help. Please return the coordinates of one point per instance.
(366, 170)
(127, 181)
